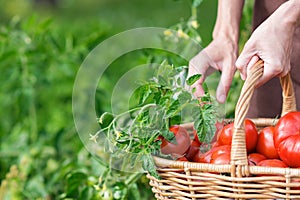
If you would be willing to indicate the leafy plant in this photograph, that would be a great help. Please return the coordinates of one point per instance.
(155, 106)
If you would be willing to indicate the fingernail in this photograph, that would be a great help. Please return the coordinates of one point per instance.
(222, 98)
(242, 77)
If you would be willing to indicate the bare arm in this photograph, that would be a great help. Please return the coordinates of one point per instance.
(221, 53)
(228, 19)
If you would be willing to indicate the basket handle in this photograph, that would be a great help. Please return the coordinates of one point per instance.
(239, 161)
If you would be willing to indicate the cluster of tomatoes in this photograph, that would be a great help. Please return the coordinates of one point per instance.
(274, 146)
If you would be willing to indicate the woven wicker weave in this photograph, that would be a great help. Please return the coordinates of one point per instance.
(237, 180)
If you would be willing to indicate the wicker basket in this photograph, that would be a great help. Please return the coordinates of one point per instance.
(237, 180)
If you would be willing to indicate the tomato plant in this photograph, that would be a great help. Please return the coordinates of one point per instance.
(287, 138)
(265, 143)
(181, 143)
(225, 136)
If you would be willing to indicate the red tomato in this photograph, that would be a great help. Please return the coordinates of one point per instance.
(221, 159)
(182, 142)
(287, 125)
(203, 157)
(182, 159)
(193, 149)
(289, 151)
(265, 143)
(272, 163)
(196, 136)
(255, 158)
(225, 136)
(287, 138)
(217, 151)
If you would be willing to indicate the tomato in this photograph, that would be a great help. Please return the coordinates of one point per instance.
(182, 142)
(255, 158)
(225, 136)
(265, 143)
(272, 163)
(289, 151)
(221, 159)
(196, 136)
(193, 149)
(203, 157)
(287, 138)
(182, 159)
(217, 151)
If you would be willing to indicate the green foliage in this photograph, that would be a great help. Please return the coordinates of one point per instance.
(41, 155)
(38, 138)
(159, 100)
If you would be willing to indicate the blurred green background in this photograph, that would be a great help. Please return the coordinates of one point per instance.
(42, 45)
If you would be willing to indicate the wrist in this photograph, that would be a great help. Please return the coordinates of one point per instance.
(228, 33)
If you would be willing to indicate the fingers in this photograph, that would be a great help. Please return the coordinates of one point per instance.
(199, 65)
(246, 58)
(225, 81)
(272, 70)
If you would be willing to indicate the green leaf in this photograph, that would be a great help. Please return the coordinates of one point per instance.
(172, 109)
(75, 180)
(149, 165)
(162, 80)
(184, 97)
(169, 136)
(175, 120)
(191, 80)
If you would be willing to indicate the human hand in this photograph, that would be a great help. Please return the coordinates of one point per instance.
(221, 55)
(271, 42)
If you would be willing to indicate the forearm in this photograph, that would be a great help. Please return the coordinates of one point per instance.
(228, 19)
(290, 13)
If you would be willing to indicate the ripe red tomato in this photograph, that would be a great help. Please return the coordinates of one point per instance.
(272, 163)
(255, 158)
(225, 136)
(182, 142)
(287, 125)
(196, 136)
(193, 149)
(221, 159)
(217, 151)
(182, 159)
(265, 143)
(289, 151)
(287, 138)
(203, 157)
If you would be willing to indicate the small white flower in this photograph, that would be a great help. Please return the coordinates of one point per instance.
(182, 34)
(194, 24)
(94, 138)
(167, 32)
